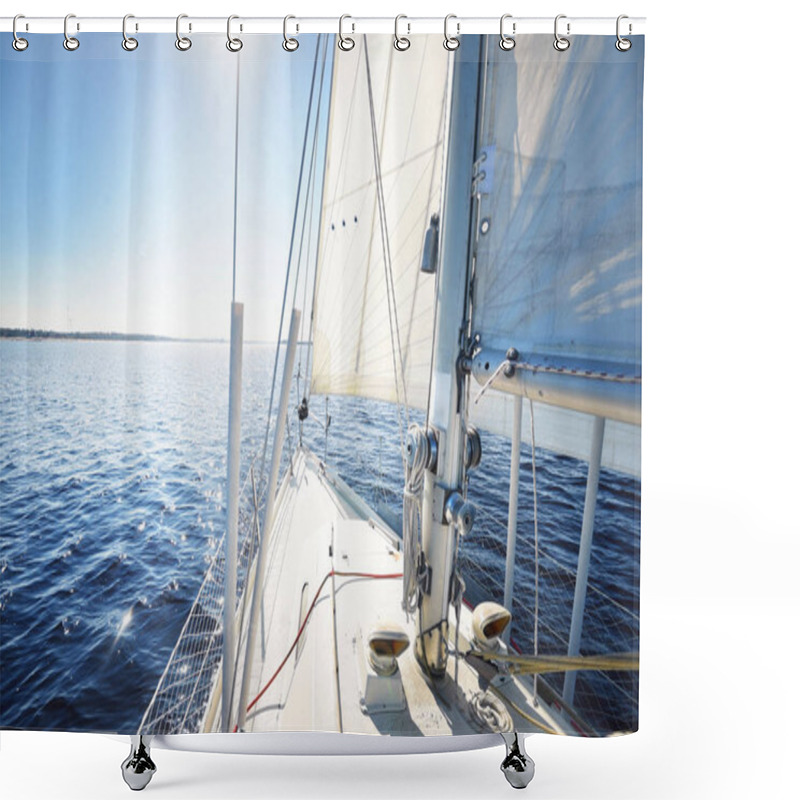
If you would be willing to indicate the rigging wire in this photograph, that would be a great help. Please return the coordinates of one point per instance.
(309, 312)
(262, 468)
(306, 229)
(394, 326)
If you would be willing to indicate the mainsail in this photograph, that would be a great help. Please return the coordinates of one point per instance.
(373, 314)
(558, 252)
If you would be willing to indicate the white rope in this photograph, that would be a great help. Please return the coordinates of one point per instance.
(412, 521)
(486, 386)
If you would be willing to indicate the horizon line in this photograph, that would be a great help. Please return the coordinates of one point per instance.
(46, 333)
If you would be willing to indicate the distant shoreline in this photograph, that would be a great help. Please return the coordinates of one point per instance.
(37, 335)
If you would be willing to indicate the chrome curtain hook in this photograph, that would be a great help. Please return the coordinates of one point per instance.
(18, 43)
(234, 45)
(70, 42)
(561, 43)
(128, 42)
(507, 42)
(346, 42)
(289, 44)
(401, 43)
(451, 42)
(622, 44)
(181, 42)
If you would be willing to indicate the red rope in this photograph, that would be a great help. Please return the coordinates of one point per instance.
(333, 572)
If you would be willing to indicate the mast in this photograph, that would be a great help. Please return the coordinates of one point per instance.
(444, 512)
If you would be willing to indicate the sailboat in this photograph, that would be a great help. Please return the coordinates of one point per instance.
(478, 265)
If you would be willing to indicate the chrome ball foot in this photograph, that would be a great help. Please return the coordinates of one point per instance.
(517, 766)
(138, 768)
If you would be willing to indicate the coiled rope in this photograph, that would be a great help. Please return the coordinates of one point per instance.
(412, 520)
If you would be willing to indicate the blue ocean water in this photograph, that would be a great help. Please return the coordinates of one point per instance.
(112, 479)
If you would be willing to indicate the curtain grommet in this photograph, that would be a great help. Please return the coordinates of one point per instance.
(560, 43)
(346, 43)
(18, 43)
(290, 44)
(622, 44)
(451, 42)
(233, 44)
(507, 42)
(70, 43)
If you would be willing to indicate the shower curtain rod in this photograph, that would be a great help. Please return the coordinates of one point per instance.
(348, 25)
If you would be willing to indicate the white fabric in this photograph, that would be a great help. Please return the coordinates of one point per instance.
(558, 273)
(352, 329)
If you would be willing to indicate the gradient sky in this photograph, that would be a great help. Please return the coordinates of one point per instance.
(117, 175)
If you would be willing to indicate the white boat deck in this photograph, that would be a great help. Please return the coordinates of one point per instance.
(327, 684)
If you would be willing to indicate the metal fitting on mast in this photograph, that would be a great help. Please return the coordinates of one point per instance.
(460, 513)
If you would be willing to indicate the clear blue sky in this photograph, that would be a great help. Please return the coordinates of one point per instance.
(116, 182)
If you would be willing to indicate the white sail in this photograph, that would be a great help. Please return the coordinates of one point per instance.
(370, 290)
(558, 257)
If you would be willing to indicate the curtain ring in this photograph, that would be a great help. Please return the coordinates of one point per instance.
(18, 43)
(128, 42)
(234, 45)
(507, 42)
(70, 42)
(622, 44)
(182, 42)
(289, 44)
(561, 43)
(345, 42)
(401, 43)
(451, 42)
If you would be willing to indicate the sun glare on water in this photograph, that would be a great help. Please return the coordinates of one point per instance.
(127, 617)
